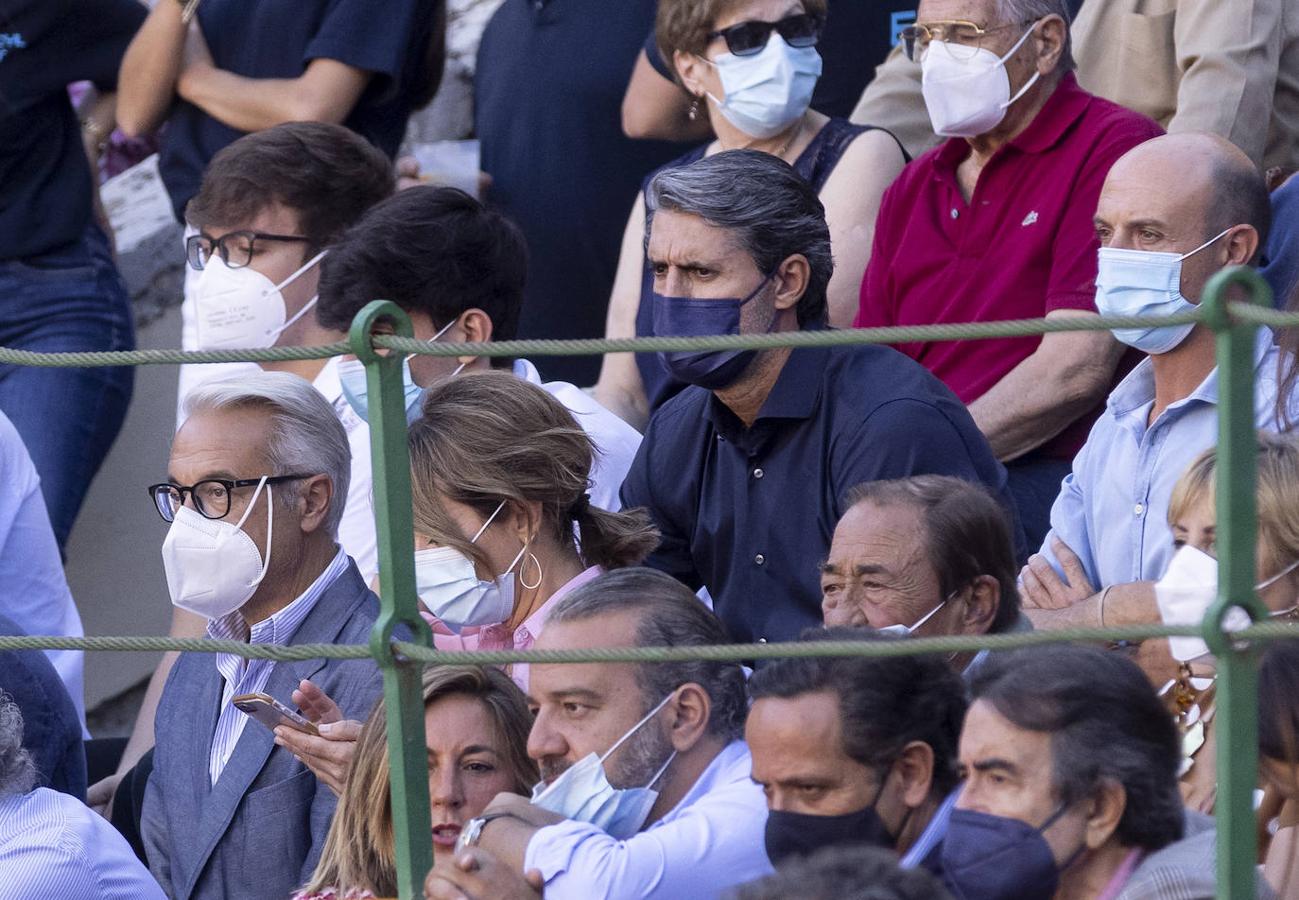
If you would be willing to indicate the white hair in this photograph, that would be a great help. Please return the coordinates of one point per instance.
(17, 771)
(307, 437)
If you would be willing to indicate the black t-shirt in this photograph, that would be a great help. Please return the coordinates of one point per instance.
(45, 182)
(858, 35)
(549, 87)
(277, 39)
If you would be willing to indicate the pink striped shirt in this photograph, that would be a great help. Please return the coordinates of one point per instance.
(498, 637)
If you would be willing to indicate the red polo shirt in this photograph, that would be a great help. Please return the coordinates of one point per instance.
(1023, 246)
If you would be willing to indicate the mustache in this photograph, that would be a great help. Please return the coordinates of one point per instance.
(551, 767)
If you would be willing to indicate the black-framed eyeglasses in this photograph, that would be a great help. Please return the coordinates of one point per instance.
(211, 496)
(236, 248)
(963, 39)
(748, 38)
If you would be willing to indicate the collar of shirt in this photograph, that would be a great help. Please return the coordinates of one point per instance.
(329, 386)
(279, 628)
(795, 395)
(1137, 390)
(1061, 110)
(526, 371)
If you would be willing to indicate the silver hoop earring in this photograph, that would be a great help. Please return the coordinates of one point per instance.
(536, 562)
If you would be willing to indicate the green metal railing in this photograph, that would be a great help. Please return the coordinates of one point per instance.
(1234, 323)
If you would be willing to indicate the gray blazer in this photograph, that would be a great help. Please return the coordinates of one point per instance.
(1184, 870)
(259, 830)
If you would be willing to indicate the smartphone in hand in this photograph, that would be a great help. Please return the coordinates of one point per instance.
(271, 712)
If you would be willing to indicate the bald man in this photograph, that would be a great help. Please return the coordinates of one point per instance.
(1174, 210)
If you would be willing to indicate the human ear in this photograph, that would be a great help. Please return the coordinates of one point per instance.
(1108, 805)
(981, 605)
(792, 277)
(314, 501)
(688, 67)
(688, 716)
(915, 766)
(1051, 34)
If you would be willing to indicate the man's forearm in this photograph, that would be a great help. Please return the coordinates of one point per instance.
(1125, 604)
(146, 82)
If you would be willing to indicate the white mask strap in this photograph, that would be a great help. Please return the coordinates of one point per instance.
(649, 715)
(663, 768)
(305, 266)
(1264, 585)
(270, 523)
(1022, 91)
(1216, 237)
(1019, 43)
(297, 315)
(927, 616)
(474, 539)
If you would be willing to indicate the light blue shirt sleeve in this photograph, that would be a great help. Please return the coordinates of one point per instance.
(698, 850)
(1069, 520)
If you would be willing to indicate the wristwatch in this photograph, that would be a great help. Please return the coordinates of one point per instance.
(473, 829)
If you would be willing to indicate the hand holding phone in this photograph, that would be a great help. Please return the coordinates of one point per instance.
(271, 712)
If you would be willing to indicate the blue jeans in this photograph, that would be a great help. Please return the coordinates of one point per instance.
(65, 300)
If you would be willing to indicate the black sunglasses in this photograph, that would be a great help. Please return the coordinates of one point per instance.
(748, 38)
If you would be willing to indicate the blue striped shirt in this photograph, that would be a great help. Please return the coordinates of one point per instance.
(52, 845)
(245, 676)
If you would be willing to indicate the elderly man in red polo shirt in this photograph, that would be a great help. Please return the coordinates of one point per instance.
(996, 223)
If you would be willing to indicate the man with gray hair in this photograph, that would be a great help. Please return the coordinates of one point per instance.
(51, 844)
(255, 488)
(996, 223)
(745, 473)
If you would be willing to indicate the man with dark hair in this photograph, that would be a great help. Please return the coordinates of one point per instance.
(928, 555)
(1165, 229)
(457, 269)
(645, 788)
(746, 471)
(844, 873)
(855, 750)
(1070, 764)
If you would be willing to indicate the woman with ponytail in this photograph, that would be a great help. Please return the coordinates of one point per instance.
(504, 526)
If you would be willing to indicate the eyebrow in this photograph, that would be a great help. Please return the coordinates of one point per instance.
(986, 765)
(829, 568)
(574, 694)
(472, 749)
(682, 263)
(221, 474)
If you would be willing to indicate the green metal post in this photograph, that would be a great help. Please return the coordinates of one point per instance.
(402, 693)
(1237, 691)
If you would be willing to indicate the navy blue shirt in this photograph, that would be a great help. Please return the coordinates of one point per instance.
(277, 39)
(548, 98)
(858, 35)
(45, 45)
(749, 512)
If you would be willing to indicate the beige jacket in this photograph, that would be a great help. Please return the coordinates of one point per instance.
(1225, 66)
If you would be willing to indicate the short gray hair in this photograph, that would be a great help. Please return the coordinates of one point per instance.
(17, 771)
(670, 616)
(771, 210)
(306, 437)
(1014, 11)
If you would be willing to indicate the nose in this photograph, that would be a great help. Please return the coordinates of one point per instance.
(544, 741)
(444, 788)
(675, 283)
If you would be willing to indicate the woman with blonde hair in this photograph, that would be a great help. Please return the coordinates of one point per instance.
(504, 526)
(476, 723)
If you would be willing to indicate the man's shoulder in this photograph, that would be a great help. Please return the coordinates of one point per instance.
(870, 376)
(1105, 118)
(1183, 870)
(683, 409)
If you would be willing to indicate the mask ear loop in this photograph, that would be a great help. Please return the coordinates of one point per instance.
(445, 328)
(649, 715)
(1216, 237)
(1036, 75)
(288, 281)
(270, 524)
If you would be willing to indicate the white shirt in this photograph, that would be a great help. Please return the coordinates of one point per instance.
(35, 592)
(616, 442)
(356, 528)
(248, 676)
(52, 845)
(708, 843)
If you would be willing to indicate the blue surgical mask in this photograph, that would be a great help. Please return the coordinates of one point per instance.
(691, 317)
(986, 857)
(1145, 283)
(356, 390)
(582, 792)
(767, 91)
(449, 587)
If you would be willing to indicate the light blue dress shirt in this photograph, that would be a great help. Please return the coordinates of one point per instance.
(52, 845)
(708, 843)
(1113, 507)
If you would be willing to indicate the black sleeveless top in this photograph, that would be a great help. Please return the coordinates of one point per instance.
(815, 164)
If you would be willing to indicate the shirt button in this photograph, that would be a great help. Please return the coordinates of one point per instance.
(762, 640)
(758, 473)
(955, 212)
(1139, 508)
(759, 559)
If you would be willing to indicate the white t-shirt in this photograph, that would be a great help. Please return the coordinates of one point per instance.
(356, 531)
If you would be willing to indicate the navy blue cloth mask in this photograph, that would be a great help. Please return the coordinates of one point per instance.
(988, 857)
(691, 317)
